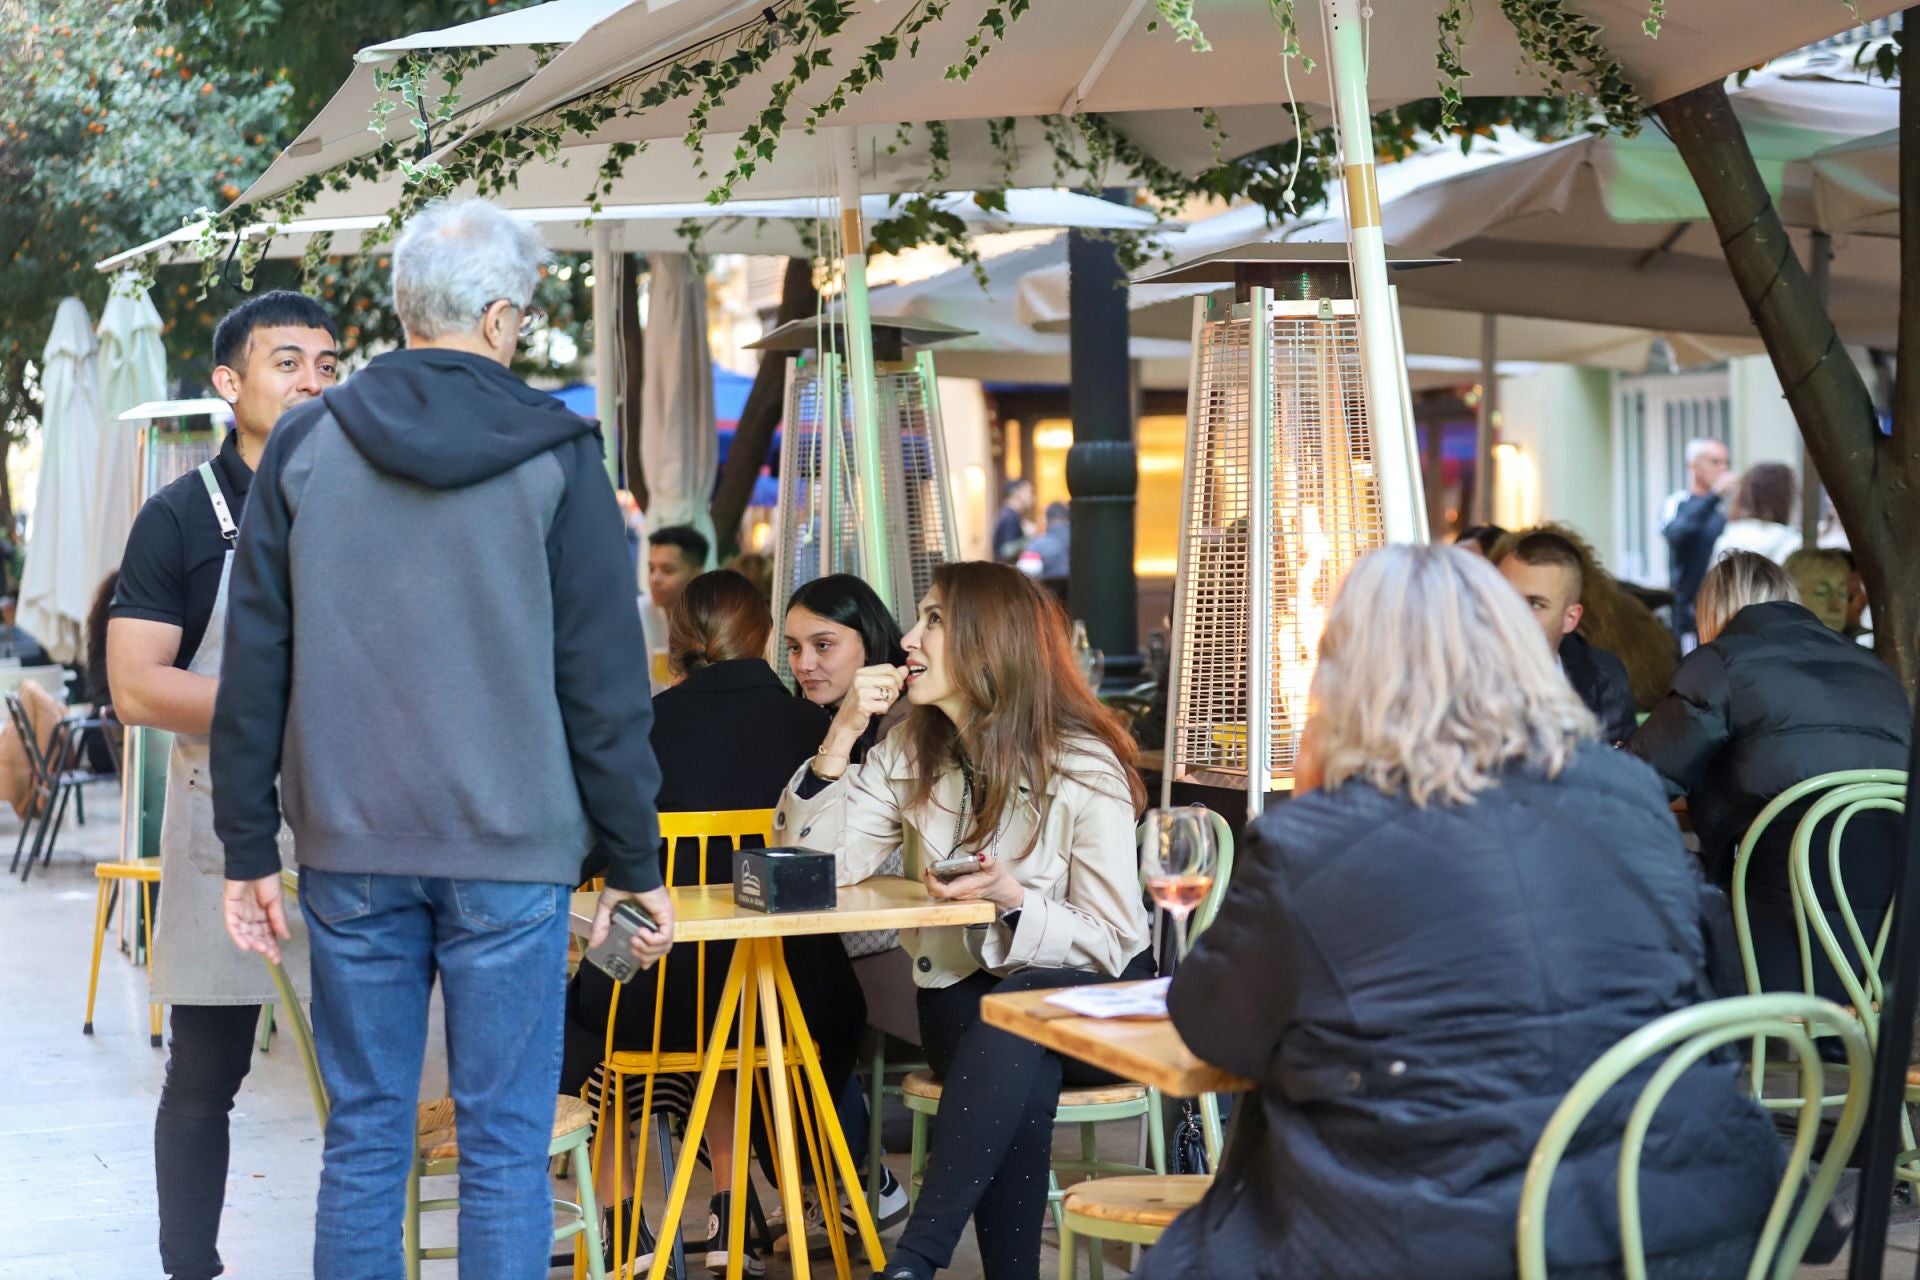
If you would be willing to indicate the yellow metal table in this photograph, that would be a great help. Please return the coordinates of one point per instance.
(759, 992)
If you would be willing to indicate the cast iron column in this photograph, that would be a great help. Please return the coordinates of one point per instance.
(1102, 472)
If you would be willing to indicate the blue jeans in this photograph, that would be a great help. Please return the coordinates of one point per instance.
(500, 950)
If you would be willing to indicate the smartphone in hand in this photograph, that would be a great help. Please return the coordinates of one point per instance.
(953, 868)
(614, 957)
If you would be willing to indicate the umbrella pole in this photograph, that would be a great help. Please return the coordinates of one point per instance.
(606, 344)
(1483, 421)
(875, 519)
(1383, 373)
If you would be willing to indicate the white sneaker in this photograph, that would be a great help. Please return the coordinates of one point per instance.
(893, 1210)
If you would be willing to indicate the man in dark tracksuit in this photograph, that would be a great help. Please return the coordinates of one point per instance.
(434, 669)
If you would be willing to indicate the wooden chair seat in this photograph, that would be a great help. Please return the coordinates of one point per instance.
(1138, 1201)
(923, 1084)
(438, 1141)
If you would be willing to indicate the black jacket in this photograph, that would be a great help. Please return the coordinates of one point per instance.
(1601, 681)
(1778, 698)
(1415, 990)
(1696, 525)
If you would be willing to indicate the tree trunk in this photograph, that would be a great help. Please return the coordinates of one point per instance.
(761, 414)
(632, 341)
(1869, 477)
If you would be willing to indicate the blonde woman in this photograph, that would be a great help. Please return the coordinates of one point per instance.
(1421, 953)
(1773, 697)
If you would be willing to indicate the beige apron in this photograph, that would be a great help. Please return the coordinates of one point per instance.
(194, 961)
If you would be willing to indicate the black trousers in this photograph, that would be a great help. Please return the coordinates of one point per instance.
(992, 1140)
(209, 1054)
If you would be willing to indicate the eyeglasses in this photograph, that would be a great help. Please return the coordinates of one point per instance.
(531, 317)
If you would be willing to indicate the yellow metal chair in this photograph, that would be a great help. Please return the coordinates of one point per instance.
(1138, 1209)
(144, 872)
(437, 1151)
(620, 1065)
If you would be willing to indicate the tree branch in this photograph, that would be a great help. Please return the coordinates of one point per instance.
(761, 414)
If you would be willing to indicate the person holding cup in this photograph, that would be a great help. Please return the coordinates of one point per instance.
(1004, 759)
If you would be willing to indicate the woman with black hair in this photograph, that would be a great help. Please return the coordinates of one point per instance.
(835, 627)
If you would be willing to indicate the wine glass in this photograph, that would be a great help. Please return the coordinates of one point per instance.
(1177, 858)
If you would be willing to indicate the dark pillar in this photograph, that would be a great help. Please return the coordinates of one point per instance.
(1102, 471)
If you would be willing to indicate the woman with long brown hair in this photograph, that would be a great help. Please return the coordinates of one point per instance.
(1007, 757)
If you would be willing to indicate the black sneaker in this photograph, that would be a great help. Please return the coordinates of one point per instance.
(719, 1218)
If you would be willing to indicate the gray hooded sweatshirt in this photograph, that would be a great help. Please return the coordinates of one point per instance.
(432, 647)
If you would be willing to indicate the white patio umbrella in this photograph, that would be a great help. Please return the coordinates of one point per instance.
(133, 372)
(1856, 186)
(678, 444)
(777, 227)
(1599, 230)
(55, 589)
(1117, 58)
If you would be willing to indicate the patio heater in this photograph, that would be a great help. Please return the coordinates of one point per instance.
(1284, 489)
(821, 503)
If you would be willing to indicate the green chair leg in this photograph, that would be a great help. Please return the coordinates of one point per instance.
(410, 1225)
(1068, 1267)
(876, 1102)
(589, 1212)
(1157, 1130)
(266, 1027)
(917, 1167)
(1096, 1259)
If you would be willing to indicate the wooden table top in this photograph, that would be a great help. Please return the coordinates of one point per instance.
(883, 902)
(1148, 1050)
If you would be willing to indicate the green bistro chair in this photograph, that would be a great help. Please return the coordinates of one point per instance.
(1757, 1060)
(437, 1154)
(1685, 1037)
(1859, 971)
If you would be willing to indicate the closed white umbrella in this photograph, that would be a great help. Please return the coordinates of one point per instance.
(55, 589)
(678, 444)
(133, 372)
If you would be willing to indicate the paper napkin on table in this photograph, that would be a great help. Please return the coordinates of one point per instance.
(1134, 1000)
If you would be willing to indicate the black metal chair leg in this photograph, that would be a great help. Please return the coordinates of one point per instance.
(79, 807)
(49, 833)
(42, 820)
(26, 825)
(664, 1139)
(69, 792)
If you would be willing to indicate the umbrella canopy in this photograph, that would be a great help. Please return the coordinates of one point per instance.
(1599, 230)
(1856, 186)
(55, 588)
(1115, 57)
(678, 445)
(777, 227)
(133, 372)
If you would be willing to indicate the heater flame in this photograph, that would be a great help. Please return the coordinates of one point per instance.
(1308, 621)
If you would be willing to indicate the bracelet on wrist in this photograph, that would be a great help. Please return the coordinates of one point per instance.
(822, 757)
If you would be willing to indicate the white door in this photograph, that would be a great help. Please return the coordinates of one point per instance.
(1654, 416)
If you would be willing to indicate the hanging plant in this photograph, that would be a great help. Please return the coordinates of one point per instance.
(1453, 23)
(1178, 14)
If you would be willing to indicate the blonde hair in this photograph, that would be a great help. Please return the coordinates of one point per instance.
(1432, 680)
(1736, 580)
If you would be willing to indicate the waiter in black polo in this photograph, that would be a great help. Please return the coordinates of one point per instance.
(164, 641)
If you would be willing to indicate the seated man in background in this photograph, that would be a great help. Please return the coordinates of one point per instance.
(1545, 569)
(676, 555)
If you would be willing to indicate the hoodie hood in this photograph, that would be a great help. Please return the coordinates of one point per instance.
(448, 419)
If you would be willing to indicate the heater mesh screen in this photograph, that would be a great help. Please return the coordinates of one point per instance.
(800, 553)
(909, 413)
(1324, 514)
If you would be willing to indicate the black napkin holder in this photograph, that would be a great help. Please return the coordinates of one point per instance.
(784, 879)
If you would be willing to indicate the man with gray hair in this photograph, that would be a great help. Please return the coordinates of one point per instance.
(1691, 522)
(432, 650)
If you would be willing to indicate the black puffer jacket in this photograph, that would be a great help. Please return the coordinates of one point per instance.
(1415, 990)
(1778, 698)
(1601, 681)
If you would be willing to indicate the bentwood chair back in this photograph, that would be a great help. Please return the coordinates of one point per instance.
(437, 1150)
(1683, 1039)
(1857, 960)
(1743, 858)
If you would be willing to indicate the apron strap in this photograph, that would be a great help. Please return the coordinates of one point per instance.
(228, 529)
